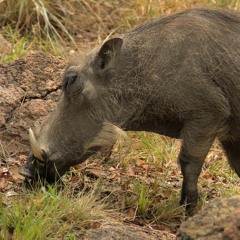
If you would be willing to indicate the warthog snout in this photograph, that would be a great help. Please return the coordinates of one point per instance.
(42, 164)
(37, 169)
(38, 164)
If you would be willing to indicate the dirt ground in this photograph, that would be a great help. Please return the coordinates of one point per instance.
(29, 89)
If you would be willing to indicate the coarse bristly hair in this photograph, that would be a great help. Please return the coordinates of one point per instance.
(107, 136)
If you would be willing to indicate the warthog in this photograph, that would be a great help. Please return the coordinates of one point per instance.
(178, 76)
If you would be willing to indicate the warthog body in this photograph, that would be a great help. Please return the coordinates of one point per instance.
(177, 76)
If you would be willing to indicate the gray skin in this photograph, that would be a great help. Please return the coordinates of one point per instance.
(178, 76)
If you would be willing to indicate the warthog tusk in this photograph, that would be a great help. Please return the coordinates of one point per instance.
(36, 150)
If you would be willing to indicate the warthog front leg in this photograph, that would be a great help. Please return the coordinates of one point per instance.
(194, 149)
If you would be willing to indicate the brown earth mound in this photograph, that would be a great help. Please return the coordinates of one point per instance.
(29, 88)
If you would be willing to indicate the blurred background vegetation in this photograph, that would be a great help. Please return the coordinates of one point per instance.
(60, 26)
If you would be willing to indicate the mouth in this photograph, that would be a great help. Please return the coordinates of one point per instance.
(35, 170)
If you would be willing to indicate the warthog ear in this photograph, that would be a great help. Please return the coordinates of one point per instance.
(109, 51)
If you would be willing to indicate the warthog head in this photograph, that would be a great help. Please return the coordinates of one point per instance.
(83, 120)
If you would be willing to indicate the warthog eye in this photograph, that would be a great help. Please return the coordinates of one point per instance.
(69, 79)
(72, 86)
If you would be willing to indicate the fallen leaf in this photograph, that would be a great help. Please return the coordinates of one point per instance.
(131, 213)
(140, 162)
(3, 183)
(166, 193)
(110, 177)
(14, 172)
(4, 170)
(11, 193)
(207, 176)
(130, 171)
(11, 160)
(145, 166)
(111, 169)
(125, 185)
(22, 158)
(162, 228)
(94, 225)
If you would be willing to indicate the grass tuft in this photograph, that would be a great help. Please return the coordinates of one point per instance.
(58, 26)
(18, 46)
(42, 18)
(48, 214)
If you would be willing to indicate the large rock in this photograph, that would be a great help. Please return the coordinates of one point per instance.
(29, 88)
(218, 219)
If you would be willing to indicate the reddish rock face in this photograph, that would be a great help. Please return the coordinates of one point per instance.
(218, 219)
(29, 88)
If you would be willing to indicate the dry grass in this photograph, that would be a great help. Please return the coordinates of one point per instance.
(153, 191)
(72, 24)
(49, 214)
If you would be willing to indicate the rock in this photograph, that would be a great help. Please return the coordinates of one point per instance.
(218, 219)
(29, 88)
